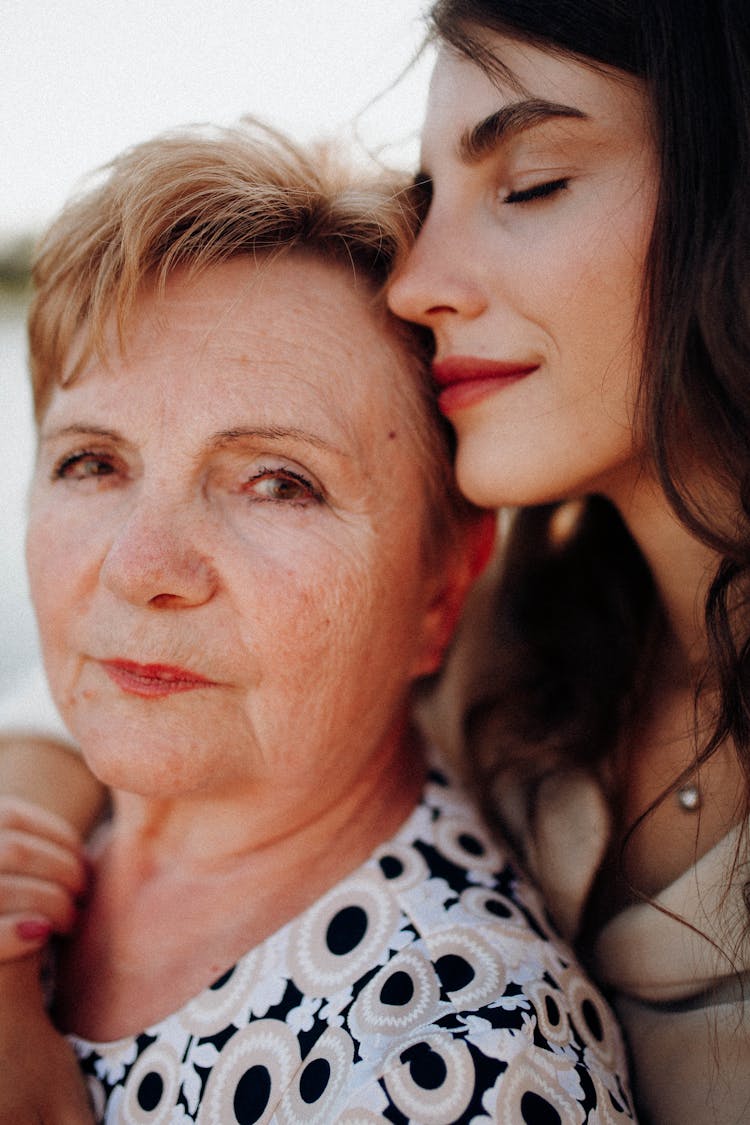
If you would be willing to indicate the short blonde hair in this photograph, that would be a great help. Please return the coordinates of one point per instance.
(199, 196)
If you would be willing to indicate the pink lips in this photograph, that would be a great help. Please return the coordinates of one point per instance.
(464, 379)
(153, 681)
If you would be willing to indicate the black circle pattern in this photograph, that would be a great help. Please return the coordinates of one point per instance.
(251, 1095)
(422, 988)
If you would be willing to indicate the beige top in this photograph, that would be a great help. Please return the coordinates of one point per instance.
(676, 967)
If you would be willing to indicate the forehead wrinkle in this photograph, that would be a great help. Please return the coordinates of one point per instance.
(479, 141)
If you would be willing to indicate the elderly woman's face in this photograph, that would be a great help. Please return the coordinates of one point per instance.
(225, 540)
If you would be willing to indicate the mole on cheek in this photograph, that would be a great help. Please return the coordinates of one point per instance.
(391, 435)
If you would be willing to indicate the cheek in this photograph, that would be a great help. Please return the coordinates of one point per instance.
(48, 570)
(44, 560)
(348, 609)
(56, 531)
(611, 274)
(304, 619)
(593, 305)
(59, 558)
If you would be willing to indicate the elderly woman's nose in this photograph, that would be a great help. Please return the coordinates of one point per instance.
(436, 280)
(156, 558)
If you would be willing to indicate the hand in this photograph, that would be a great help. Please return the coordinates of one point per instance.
(40, 1083)
(42, 874)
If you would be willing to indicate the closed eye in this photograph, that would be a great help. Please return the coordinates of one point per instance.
(538, 191)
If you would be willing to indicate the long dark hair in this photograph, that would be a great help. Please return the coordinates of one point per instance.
(694, 56)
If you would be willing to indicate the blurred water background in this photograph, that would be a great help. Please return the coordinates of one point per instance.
(17, 633)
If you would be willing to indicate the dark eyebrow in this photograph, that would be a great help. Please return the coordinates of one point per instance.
(482, 139)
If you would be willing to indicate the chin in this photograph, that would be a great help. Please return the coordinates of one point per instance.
(513, 481)
(148, 769)
(489, 486)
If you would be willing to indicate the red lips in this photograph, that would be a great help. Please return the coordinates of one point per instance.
(153, 681)
(465, 379)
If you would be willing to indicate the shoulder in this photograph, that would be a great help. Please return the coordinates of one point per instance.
(486, 1005)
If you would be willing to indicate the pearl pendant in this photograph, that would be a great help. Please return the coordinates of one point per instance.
(689, 797)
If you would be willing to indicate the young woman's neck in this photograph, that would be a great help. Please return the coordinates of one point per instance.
(682, 567)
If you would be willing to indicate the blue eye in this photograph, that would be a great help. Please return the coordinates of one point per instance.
(538, 191)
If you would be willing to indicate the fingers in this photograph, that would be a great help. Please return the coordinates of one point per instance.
(22, 934)
(23, 853)
(30, 911)
(42, 875)
(16, 813)
(37, 898)
(37, 843)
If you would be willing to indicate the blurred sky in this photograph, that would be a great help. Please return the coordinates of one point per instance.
(82, 79)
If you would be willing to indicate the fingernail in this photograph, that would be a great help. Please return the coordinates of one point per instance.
(31, 930)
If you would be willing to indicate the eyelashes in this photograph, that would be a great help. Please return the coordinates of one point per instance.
(421, 192)
(83, 465)
(268, 484)
(282, 486)
(538, 191)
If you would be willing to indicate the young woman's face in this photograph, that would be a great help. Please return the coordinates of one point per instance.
(529, 270)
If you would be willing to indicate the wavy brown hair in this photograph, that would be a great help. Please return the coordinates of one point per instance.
(576, 623)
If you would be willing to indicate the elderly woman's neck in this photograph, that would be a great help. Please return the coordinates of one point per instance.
(271, 818)
(233, 871)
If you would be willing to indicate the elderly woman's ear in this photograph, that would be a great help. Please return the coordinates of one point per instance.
(454, 575)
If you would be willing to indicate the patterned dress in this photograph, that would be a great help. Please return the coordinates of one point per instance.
(425, 987)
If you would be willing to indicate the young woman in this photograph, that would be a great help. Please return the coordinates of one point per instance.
(582, 267)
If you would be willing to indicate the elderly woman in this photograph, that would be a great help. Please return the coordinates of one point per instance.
(245, 549)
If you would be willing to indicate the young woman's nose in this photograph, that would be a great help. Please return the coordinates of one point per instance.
(437, 281)
(154, 560)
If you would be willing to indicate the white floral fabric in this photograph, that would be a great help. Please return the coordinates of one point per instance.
(426, 987)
